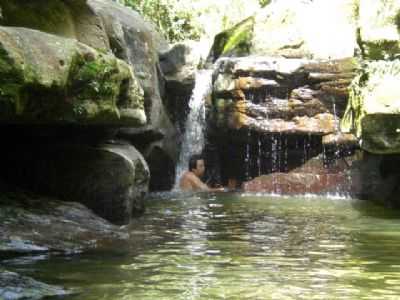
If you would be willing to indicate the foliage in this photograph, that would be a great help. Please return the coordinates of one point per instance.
(179, 20)
(174, 23)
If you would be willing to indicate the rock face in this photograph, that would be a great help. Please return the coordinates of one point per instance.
(84, 68)
(275, 95)
(59, 80)
(270, 115)
(373, 112)
(110, 179)
(138, 43)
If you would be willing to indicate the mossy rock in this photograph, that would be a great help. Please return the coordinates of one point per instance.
(45, 79)
(373, 111)
(234, 41)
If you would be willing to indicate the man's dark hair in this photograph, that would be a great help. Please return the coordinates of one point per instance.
(193, 161)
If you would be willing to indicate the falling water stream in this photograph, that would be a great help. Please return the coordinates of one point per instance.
(193, 139)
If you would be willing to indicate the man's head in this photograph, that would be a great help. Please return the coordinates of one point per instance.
(196, 165)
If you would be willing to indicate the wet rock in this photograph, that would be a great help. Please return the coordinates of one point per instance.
(110, 179)
(340, 139)
(36, 224)
(313, 177)
(14, 287)
(295, 184)
(275, 95)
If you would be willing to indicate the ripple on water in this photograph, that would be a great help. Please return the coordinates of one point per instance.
(237, 246)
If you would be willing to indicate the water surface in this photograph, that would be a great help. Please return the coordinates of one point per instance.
(233, 246)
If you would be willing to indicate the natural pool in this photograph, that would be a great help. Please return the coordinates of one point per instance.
(235, 246)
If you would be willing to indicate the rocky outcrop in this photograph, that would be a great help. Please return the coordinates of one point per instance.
(271, 114)
(91, 63)
(275, 95)
(110, 179)
(26, 219)
(15, 287)
(373, 112)
(46, 79)
(138, 43)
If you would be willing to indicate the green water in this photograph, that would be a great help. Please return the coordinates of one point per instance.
(231, 246)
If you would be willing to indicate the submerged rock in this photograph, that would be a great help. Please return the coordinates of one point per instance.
(35, 224)
(16, 287)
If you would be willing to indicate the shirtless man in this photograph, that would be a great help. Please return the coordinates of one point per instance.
(190, 180)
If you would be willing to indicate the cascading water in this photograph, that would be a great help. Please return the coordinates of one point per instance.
(193, 139)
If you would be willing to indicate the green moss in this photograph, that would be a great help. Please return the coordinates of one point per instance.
(234, 41)
(387, 50)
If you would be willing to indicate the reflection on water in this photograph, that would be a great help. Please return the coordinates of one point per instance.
(232, 246)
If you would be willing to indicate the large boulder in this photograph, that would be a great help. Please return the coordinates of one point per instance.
(110, 179)
(373, 112)
(138, 43)
(47, 79)
(110, 27)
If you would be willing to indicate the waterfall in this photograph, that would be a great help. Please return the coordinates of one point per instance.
(193, 139)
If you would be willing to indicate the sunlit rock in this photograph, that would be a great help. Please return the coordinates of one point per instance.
(294, 29)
